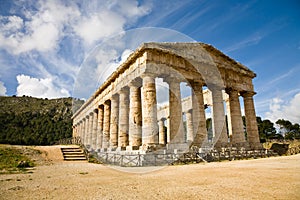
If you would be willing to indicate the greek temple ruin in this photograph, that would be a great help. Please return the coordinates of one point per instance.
(123, 114)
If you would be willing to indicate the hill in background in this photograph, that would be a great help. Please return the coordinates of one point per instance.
(33, 121)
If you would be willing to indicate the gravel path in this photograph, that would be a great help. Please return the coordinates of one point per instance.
(271, 178)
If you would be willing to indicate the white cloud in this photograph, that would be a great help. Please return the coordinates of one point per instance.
(279, 109)
(2, 89)
(41, 31)
(41, 88)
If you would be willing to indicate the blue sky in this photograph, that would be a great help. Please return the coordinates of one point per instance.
(44, 42)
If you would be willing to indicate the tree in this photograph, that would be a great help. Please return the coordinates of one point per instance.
(288, 130)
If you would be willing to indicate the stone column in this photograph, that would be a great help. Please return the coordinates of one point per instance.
(124, 118)
(90, 130)
(106, 125)
(135, 116)
(161, 128)
(94, 130)
(189, 126)
(168, 130)
(100, 127)
(229, 119)
(149, 112)
(198, 114)
(82, 135)
(86, 131)
(251, 123)
(114, 121)
(238, 136)
(218, 117)
(175, 111)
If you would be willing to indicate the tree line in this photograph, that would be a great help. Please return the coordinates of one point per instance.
(32, 121)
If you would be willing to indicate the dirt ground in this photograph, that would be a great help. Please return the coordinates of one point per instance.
(269, 178)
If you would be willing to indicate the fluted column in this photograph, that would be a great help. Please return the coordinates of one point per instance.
(135, 116)
(189, 126)
(238, 136)
(161, 128)
(114, 121)
(175, 111)
(218, 117)
(106, 125)
(100, 127)
(251, 123)
(95, 129)
(124, 118)
(149, 111)
(198, 114)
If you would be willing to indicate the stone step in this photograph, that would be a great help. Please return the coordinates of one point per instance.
(73, 154)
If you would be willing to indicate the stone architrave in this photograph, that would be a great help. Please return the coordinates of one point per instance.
(238, 136)
(100, 127)
(218, 118)
(251, 123)
(175, 111)
(106, 125)
(149, 111)
(135, 115)
(123, 118)
(114, 121)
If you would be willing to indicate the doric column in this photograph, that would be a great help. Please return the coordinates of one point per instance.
(86, 131)
(229, 126)
(218, 117)
(168, 130)
(251, 123)
(149, 111)
(114, 121)
(106, 125)
(238, 136)
(189, 126)
(175, 111)
(90, 130)
(161, 128)
(100, 127)
(94, 130)
(124, 118)
(135, 116)
(82, 136)
(198, 114)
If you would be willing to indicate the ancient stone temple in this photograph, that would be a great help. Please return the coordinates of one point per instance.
(123, 115)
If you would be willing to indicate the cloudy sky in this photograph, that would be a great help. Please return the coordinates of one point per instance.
(43, 43)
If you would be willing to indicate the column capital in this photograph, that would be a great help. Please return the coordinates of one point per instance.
(246, 94)
(194, 84)
(124, 90)
(148, 74)
(171, 79)
(135, 83)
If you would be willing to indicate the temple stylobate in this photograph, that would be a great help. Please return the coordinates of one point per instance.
(123, 114)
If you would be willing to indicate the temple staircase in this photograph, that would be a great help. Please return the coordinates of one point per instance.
(73, 153)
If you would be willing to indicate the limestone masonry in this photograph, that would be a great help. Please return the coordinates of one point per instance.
(123, 116)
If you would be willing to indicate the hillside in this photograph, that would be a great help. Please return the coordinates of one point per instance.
(33, 121)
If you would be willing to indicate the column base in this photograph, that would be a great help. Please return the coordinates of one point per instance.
(178, 146)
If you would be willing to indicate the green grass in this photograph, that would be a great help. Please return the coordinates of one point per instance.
(10, 158)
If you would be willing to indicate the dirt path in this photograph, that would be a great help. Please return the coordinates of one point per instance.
(272, 178)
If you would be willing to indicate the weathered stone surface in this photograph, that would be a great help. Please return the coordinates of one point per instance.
(133, 119)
